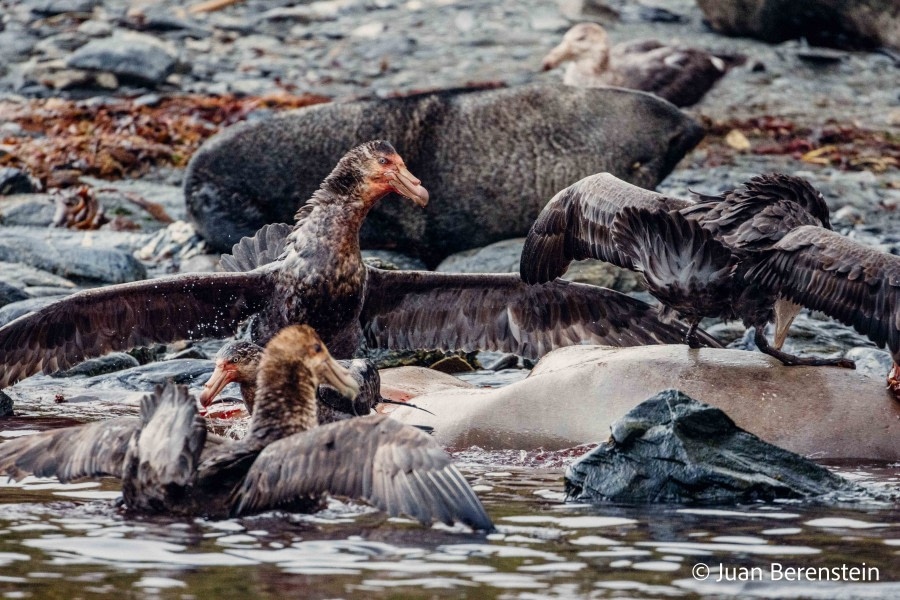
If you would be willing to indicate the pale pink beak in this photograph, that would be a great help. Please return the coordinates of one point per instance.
(408, 185)
(224, 374)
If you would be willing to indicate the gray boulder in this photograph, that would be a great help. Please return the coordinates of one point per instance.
(6, 405)
(10, 293)
(130, 56)
(842, 23)
(15, 181)
(490, 160)
(110, 363)
(504, 256)
(671, 448)
(14, 310)
(72, 255)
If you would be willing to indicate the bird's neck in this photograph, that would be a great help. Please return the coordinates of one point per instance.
(285, 401)
(330, 221)
(248, 394)
(589, 69)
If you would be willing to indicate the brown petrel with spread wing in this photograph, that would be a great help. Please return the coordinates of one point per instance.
(313, 273)
(757, 253)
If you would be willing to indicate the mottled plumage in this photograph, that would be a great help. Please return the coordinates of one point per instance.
(716, 257)
(313, 273)
(169, 464)
(679, 74)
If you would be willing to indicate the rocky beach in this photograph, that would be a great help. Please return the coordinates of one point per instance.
(104, 104)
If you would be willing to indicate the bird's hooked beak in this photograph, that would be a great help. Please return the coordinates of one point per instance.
(408, 185)
(224, 373)
(785, 312)
(560, 54)
(330, 372)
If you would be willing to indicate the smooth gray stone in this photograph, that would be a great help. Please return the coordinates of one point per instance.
(69, 255)
(10, 293)
(871, 361)
(14, 310)
(24, 276)
(671, 448)
(15, 181)
(29, 210)
(110, 363)
(128, 56)
(6, 405)
(145, 377)
(489, 159)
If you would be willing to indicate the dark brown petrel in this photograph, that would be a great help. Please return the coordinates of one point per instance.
(168, 462)
(313, 273)
(757, 253)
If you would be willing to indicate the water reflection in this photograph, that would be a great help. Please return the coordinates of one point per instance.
(60, 546)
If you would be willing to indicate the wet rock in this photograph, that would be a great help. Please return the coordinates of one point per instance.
(388, 259)
(871, 361)
(452, 364)
(483, 186)
(74, 256)
(14, 310)
(842, 23)
(58, 7)
(10, 294)
(146, 377)
(23, 276)
(574, 395)
(129, 56)
(110, 363)
(27, 209)
(671, 448)
(507, 361)
(15, 181)
(6, 405)
(201, 263)
(503, 257)
(192, 352)
(179, 240)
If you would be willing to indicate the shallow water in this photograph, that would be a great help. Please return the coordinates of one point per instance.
(69, 541)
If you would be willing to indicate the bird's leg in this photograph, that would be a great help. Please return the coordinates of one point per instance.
(789, 360)
(690, 338)
(893, 381)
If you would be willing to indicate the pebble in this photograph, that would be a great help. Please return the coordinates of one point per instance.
(14, 181)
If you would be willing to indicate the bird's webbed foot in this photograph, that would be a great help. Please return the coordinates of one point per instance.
(893, 381)
(789, 360)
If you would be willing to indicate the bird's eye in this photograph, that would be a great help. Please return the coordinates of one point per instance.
(234, 359)
(317, 348)
(382, 161)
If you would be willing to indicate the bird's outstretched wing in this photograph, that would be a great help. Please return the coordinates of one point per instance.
(576, 224)
(262, 248)
(395, 467)
(450, 311)
(119, 317)
(92, 450)
(823, 270)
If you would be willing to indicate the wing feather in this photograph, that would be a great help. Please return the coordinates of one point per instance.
(91, 450)
(576, 224)
(826, 271)
(119, 317)
(397, 468)
(450, 311)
